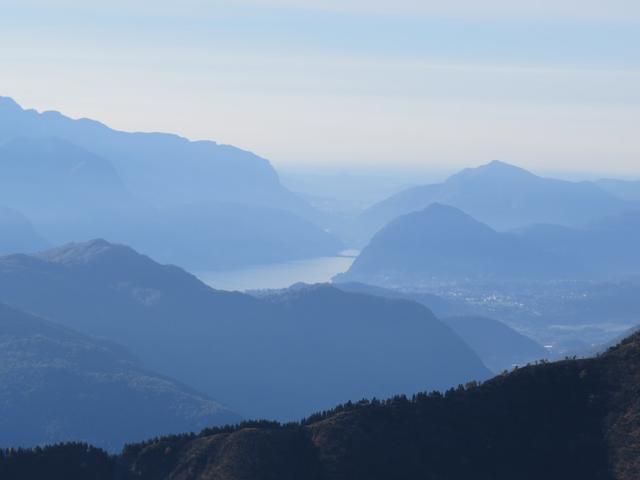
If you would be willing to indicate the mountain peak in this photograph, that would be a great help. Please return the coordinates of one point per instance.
(495, 170)
(498, 164)
(8, 103)
(444, 216)
(86, 252)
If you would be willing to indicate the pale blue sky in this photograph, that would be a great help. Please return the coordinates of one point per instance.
(545, 84)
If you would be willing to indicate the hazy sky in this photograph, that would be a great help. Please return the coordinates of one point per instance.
(547, 84)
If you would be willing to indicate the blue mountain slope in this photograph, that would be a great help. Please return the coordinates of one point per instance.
(59, 385)
(163, 169)
(17, 233)
(278, 357)
(502, 196)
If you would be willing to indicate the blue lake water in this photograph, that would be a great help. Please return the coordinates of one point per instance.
(278, 275)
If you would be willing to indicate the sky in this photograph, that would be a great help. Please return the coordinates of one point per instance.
(547, 84)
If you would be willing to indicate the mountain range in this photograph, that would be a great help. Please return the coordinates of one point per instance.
(440, 306)
(607, 246)
(59, 385)
(570, 419)
(163, 169)
(499, 346)
(280, 356)
(197, 204)
(443, 244)
(501, 195)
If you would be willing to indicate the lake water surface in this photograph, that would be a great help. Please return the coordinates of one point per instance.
(279, 275)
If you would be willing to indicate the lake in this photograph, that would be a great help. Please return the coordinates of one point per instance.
(279, 275)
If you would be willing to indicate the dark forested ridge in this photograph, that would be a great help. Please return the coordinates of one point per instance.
(570, 419)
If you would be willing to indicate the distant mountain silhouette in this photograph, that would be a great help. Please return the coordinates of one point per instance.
(440, 306)
(226, 236)
(59, 385)
(197, 204)
(17, 233)
(626, 189)
(608, 246)
(277, 357)
(65, 190)
(442, 243)
(163, 169)
(570, 419)
(501, 195)
(499, 346)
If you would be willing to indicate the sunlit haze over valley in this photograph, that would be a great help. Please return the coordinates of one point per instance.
(320, 240)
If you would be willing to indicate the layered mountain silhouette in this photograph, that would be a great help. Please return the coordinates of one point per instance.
(163, 169)
(17, 233)
(197, 204)
(440, 306)
(67, 191)
(502, 196)
(608, 246)
(499, 346)
(626, 189)
(226, 236)
(281, 356)
(442, 243)
(570, 419)
(59, 385)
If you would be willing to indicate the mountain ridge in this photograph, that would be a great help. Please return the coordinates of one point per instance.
(442, 243)
(568, 419)
(345, 345)
(60, 385)
(503, 196)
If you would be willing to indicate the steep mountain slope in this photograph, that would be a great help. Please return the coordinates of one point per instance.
(441, 307)
(17, 233)
(58, 385)
(222, 236)
(278, 357)
(366, 345)
(571, 419)
(198, 204)
(500, 347)
(163, 169)
(608, 245)
(503, 196)
(442, 243)
(67, 191)
(59, 171)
